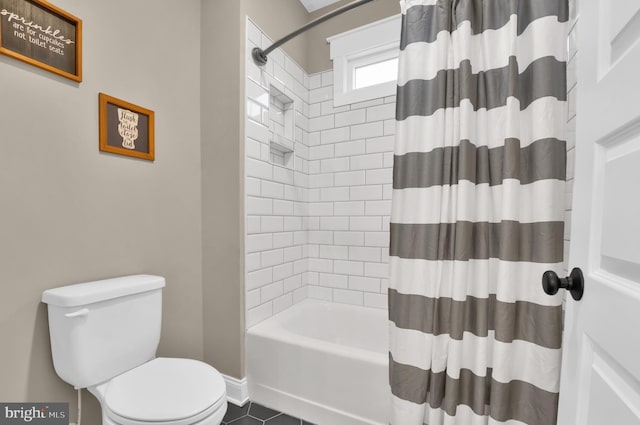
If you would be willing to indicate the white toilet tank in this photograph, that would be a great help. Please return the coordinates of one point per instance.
(101, 329)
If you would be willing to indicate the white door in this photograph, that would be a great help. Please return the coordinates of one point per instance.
(600, 382)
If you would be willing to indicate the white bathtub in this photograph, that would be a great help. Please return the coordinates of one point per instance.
(326, 363)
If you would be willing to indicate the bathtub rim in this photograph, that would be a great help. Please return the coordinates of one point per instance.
(272, 328)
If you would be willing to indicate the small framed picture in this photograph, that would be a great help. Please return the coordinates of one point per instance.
(125, 128)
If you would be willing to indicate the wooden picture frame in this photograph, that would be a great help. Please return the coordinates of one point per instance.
(42, 35)
(125, 128)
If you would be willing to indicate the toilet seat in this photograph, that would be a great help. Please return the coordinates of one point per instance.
(165, 391)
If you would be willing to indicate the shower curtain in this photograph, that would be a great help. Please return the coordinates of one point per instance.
(477, 216)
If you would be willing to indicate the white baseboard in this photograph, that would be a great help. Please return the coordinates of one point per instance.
(237, 390)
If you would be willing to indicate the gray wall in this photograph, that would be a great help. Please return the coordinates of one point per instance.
(70, 213)
(310, 50)
(222, 108)
(222, 175)
(278, 18)
(317, 47)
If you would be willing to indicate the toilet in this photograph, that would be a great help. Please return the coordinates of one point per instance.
(104, 337)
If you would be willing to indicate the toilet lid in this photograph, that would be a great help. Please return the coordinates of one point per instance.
(165, 390)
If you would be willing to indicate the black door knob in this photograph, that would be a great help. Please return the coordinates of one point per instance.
(574, 283)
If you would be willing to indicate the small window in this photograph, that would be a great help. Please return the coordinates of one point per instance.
(365, 61)
(375, 73)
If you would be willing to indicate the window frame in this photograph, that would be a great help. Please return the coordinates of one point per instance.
(359, 47)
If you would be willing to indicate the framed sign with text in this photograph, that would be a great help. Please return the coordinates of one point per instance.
(125, 128)
(43, 35)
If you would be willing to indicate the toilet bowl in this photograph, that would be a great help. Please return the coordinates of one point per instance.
(104, 336)
(164, 391)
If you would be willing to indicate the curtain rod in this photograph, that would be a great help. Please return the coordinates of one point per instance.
(260, 56)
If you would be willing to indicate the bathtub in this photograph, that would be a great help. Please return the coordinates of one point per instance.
(324, 362)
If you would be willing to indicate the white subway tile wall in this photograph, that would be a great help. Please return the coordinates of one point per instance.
(319, 228)
(276, 188)
(349, 204)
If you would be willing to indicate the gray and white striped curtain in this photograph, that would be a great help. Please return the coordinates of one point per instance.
(478, 200)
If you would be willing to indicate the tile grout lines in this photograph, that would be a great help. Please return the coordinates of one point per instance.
(256, 414)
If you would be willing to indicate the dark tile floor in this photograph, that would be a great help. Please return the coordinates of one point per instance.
(255, 414)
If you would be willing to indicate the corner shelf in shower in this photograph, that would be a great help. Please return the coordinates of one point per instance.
(281, 145)
(281, 127)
